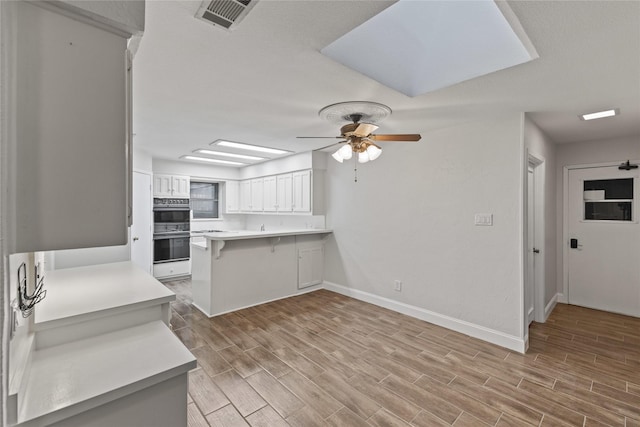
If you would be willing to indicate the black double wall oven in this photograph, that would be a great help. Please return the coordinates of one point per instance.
(170, 230)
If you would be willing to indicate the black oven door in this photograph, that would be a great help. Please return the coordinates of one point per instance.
(171, 248)
(171, 216)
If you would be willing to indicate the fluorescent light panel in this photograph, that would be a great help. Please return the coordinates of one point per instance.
(599, 114)
(206, 159)
(249, 147)
(224, 154)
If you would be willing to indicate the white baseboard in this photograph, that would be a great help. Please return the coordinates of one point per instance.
(552, 304)
(490, 335)
(562, 298)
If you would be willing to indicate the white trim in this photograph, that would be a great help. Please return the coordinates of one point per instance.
(312, 288)
(562, 299)
(549, 308)
(486, 334)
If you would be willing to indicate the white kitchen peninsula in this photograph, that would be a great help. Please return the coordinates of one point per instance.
(231, 270)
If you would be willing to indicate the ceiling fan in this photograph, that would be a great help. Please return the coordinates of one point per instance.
(358, 135)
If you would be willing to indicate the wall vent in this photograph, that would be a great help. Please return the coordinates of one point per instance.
(225, 13)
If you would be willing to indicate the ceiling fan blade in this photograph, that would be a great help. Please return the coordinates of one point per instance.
(319, 137)
(365, 129)
(330, 145)
(407, 137)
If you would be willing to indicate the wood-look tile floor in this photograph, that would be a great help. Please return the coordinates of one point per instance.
(323, 359)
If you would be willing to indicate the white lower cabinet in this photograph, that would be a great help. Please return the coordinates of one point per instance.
(310, 266)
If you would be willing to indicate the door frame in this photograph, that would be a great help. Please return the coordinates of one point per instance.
(538, 164)
(564, 298)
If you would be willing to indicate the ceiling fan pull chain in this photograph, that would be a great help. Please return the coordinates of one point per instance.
(355, 168)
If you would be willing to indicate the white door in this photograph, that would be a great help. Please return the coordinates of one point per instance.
(141, 233)
(604, 239)
(531, 248)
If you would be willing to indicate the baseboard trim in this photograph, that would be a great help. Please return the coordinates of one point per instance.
(486, 334)
(549, 308)
(562, 298)
(302, 291)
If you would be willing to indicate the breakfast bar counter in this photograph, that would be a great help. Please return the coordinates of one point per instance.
(231, 270)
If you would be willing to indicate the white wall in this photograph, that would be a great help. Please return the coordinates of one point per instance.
(410, 217)
(543, 148)
(142, 161)
(584, 153)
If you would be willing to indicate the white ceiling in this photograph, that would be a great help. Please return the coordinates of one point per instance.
(264, 82)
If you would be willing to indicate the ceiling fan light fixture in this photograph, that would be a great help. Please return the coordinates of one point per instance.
(346, 151)
(363, 157)
(373, 152)
(338, 156)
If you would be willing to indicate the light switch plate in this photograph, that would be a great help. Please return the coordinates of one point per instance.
(483, 219)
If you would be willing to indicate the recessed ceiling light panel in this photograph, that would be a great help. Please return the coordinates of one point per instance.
(207, 159)
(599, 114)
(225, 154)
(249, 147)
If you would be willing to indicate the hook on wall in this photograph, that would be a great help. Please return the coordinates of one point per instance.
(627, 166)
(26, 301)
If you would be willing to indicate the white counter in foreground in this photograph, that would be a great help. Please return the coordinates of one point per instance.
(238, 269)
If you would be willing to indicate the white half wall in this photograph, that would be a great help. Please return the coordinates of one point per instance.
(410, 217)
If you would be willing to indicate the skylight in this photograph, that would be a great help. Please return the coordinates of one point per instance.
(417, 47)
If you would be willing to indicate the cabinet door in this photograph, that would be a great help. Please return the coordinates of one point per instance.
(257, 195)
(232, 196)
(69, 163)
(181, 186)
(245, 196)
(302, 191)
(270, 194)
(310, 266)
(284, 192)
(162, 185)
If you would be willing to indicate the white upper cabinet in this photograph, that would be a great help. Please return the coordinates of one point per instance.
(177, 186)
(257, 195)
(69, 140)
(245, 196)
(232, 196)
(284, 192)
(181, 186)
(293, 193)
(270, 195)
(302, 191)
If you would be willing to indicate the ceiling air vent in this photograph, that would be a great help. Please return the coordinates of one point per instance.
(225, 13)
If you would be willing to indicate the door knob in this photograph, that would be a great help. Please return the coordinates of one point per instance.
(135, 239)
(573, 243)
(536, 251)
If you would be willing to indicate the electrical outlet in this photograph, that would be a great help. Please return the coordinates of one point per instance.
(397, 285)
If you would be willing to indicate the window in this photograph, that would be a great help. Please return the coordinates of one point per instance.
(608, 199)
(204, 199)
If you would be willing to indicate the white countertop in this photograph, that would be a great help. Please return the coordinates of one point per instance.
(76, 293)
(71, 378)
(254, 234)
